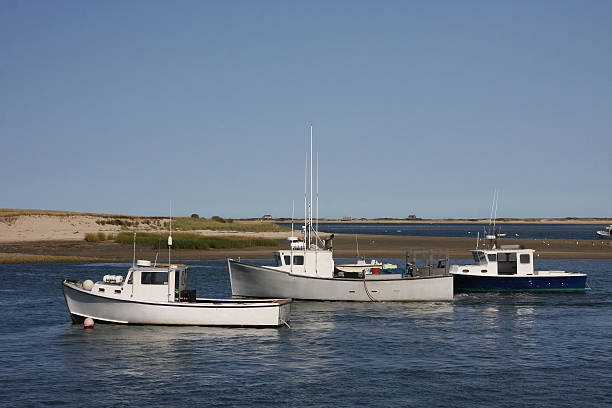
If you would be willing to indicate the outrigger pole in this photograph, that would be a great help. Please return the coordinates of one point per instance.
(310, 202)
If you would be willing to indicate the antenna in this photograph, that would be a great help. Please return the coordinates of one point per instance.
(492, 205)
(495, 213)
(170, 236)
(157, 253)
(305, 182)
(292, 215)
(134, 259)
(317, 228)
(310, 203)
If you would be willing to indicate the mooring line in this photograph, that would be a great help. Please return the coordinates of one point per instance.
(372, 298)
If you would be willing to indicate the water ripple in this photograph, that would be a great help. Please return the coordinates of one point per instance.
(498, 350)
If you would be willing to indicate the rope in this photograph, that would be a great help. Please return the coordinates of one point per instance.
(372, 298)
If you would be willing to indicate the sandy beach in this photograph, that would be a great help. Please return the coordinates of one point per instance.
(43, 227)
(52, 238)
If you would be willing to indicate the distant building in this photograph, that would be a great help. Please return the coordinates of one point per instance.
(347, 218)
(266, 217)
(412, 217)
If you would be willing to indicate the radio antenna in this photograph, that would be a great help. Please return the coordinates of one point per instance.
(134, 259)
(170, 236)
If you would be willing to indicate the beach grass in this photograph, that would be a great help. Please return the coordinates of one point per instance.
(215, 223)
(96, 237)
(10, 212)
(193, 241)
(19, 258)
(219, 224)
(119, 222)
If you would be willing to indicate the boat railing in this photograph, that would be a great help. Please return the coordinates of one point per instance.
(427, 263)
(187, 295)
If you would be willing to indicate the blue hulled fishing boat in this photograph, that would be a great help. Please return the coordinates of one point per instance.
(501, 268)
(510, 268)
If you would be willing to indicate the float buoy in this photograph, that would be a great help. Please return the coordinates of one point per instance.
(88, 285)
(89, 322)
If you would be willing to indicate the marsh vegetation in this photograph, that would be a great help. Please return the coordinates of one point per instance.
(193, 241)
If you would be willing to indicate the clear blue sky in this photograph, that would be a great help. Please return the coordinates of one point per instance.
(418, 107)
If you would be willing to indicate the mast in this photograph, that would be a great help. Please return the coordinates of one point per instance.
(134, 258)
(291, 242)
(170, 285)
(317, 228)
(495, 213)
(305, 199)
(170, 237)
(310, 202)
(492, 206)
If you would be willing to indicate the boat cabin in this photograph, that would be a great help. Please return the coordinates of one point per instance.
(506, 260)
(157, 283)
(305, 262)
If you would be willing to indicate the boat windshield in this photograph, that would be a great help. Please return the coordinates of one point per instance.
(479, 256)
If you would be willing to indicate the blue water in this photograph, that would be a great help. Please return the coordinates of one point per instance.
(541, 231)
(490, 350)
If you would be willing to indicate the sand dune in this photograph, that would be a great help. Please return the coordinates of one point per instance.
(63, 237)
(50, 227)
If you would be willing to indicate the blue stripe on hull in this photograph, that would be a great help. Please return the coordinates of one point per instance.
(471, 283)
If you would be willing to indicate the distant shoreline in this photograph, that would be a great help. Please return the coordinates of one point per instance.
(577, 221)
(7, 212)
(44, 237)
(377, 246)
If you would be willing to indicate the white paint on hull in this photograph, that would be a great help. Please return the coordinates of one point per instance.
(260, 281)
(204, 312)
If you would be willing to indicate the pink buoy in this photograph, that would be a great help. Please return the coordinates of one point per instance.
(88, 322)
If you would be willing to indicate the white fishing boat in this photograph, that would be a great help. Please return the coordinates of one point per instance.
(158, 294)
(361, 266)
(606, 232)
(306, 271)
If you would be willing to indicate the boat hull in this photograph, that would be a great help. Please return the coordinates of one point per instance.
(475, 283)
(259, 281)
(204, 312)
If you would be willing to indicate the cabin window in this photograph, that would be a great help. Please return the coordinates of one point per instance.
(506, 257)
(287, 259)
(525, 258)
(298, 259)
(154, 278)
(492, 257)
(129, 279)
(506, 263)
(279, 261)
